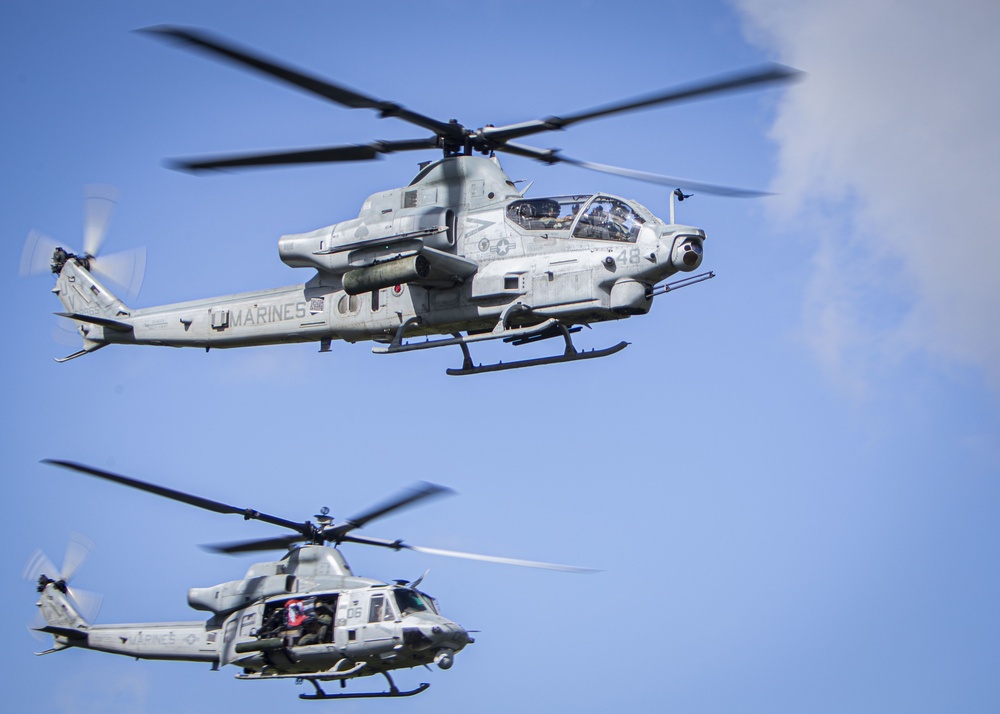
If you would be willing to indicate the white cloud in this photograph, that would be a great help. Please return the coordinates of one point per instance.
(890, 156)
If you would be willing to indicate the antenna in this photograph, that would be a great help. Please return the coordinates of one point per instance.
(680, 196)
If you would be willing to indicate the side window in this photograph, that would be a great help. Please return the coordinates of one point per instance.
(230, 630)
(376, 608)
(246, 625)
(348, 304)
(388, 613)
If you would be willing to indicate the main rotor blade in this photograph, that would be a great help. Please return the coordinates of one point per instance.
(414, 494)
(725, 83)
(400, 545)
(552, 156)
(249, 546)
(352, 152)
(672, 181)
(198, 501)
(334, 92)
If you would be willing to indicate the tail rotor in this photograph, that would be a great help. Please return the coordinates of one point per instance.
(43, 571)
(124, 269)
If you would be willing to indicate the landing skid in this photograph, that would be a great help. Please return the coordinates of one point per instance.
(81, 353)
(571, 355)
(516, 335)
(393, 691)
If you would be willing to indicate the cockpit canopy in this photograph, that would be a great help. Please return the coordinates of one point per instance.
(598, 217)
(409, 601)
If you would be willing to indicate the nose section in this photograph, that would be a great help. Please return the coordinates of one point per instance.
(448, 638)
(450, 634)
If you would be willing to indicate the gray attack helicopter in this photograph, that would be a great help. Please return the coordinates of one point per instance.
(305, 617)
(458, 256)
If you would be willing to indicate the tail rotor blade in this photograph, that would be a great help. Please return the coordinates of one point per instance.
(88, 604)
(40, 564)
(66, 332)
(77, 550)
(125, 269)
(36, 258)
(98, 206)
(35, 624)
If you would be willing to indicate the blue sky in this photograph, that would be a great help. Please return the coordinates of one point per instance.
(789, 479)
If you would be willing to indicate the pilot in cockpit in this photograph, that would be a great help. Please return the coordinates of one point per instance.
(618, 225)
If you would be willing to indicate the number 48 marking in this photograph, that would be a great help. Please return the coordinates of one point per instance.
(629, 255)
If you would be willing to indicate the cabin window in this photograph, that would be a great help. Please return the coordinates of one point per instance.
(376, 609)
(511, 282)
(247, 623)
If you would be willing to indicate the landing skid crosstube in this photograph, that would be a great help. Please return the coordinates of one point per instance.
(393, 691)
(515, 335)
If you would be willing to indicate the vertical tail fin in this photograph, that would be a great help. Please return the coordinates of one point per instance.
(62, 620)
(88, 301)
(80, 291)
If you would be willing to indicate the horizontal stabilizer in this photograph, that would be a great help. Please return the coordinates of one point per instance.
(107, 322)
(67, 632)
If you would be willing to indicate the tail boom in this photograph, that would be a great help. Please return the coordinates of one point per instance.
(183, 641)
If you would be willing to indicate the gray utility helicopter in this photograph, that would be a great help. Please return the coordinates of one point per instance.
(304, 617)
(458, 250)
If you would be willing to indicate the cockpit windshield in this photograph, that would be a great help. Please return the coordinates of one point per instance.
(410, 601)
(596, 217)
(609, 218)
